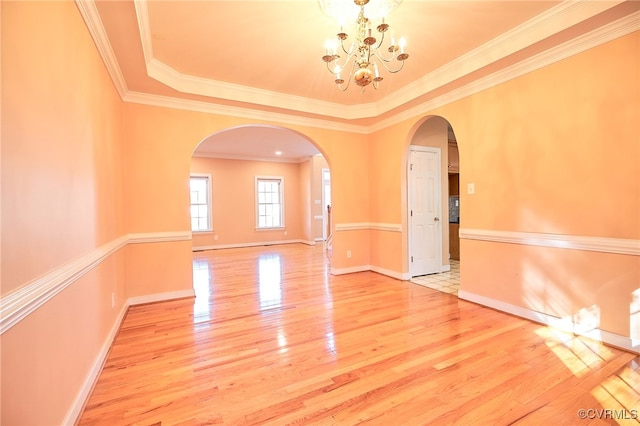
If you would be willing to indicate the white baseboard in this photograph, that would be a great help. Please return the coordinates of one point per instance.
(161, 297)
(251, 244)
(562, 324)
(350, 270)
(388, 272)
(80, 400)
(404, 276)
(78, 404)
(445, 268)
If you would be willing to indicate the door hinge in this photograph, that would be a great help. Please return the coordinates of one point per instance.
(411, 213)
(411, 259)
(411, 167)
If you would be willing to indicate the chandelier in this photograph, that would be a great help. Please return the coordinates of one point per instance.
(366, 53)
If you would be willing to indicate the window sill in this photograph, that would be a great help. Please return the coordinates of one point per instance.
(203, 231)
(279, 228)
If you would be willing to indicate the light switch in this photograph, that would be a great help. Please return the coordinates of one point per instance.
(471, 188)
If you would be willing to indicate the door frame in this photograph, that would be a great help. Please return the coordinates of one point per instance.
(325, 214)
(438, 151)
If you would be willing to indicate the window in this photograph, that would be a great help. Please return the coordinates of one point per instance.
(200, 202)
(269, 202)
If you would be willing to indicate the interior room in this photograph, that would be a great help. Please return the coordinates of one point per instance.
(213, 212)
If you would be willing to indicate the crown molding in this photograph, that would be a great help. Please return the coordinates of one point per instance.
(587, 41)
(550, 22)
(194, 85)
(248, 113)
(91, 17)
(142, 17)
(250, 158)
(570, 242)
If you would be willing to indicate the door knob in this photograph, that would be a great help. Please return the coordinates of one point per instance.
(436, 219)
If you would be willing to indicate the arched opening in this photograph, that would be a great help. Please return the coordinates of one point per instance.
(433, 206)
(256, 186)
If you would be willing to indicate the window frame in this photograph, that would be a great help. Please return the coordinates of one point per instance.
(280, 180)
(209, 193)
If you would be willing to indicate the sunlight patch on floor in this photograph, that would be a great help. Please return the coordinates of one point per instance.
(577, 354)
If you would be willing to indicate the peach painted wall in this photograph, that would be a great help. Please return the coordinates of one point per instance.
(388, 155)
(304, 203)
(554, 151)
(567, 161)
(234, 211)
(62, 198)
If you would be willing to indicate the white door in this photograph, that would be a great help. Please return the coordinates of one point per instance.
(425, 237)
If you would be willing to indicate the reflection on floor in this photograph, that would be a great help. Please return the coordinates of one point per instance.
(448, 282)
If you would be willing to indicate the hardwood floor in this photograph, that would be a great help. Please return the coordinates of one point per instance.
(273, 338)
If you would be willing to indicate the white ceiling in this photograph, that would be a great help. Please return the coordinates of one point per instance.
(262, 59)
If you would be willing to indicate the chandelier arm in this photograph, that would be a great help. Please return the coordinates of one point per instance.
(347, 59)
(383, 59)
(351, 49)
(386, 67)
(329, 69)
(380, 55)
(348, 79)
(379, 45)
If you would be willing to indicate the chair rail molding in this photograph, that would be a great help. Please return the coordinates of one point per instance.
(358, 226)
(24, 300)
(571, 242)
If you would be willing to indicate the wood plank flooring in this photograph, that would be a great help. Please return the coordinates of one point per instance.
(273, 339)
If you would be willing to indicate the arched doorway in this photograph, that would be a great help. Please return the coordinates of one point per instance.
(253, 186)
(433, 206)
(237, 164)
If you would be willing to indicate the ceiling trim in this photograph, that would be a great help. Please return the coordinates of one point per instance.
(604, 34)
(552, 21)
(250, 158)
(267, 116)
(91, 17)
(142, 17)
(194, 85)
(587, 41)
